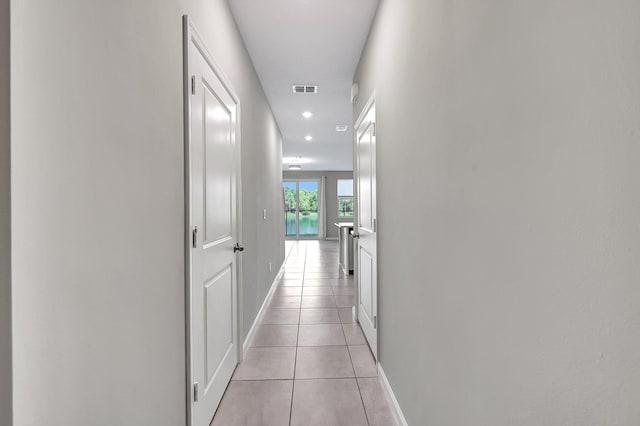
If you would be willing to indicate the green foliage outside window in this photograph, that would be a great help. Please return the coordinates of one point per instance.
(290, 199)
(345, 207)
(345, 197)
(308, 200)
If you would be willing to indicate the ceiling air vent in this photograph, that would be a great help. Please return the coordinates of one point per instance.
(304, 88)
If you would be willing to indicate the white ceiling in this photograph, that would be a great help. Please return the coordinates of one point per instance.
(308, 42)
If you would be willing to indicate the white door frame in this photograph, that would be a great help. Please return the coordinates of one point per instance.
(191, 35)
(356, 218)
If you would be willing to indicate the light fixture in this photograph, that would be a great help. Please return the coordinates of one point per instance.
(295, 167)
(307, 114)
(308, 138)
(298, 159)
(342, 128)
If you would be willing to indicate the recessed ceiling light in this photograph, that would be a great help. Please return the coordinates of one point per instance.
(295, 167)
(308, 138)
(307, 114)
(342, 128)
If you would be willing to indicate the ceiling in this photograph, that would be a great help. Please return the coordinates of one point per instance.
(316, 42)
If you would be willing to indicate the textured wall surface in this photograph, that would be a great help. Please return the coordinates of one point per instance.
(5, 220)
(511, 130)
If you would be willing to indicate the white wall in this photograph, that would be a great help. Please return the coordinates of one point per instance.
(512, 131)
(332, 195)
(5, 220)
(98, 198)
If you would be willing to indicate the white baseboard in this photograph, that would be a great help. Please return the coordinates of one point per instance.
(256, 322)
(395, 407)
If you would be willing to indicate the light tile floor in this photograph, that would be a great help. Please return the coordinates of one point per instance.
(309, 363)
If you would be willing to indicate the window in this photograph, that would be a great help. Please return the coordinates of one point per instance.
(345, 197)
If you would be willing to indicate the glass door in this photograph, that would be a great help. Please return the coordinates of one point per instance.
(301, 208)
(290, 209)
(308, 209)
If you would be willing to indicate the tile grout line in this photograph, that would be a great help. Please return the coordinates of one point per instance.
(286, 258)
(308, 259)
(306, 379)
(346, 345)
(366, 415)
(295, 360)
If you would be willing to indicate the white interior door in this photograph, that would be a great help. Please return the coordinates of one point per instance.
(366, 225)
(213, 189)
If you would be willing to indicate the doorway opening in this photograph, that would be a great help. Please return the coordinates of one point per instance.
(302, 198)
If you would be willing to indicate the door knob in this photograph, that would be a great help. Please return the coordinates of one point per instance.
(355, 236)
(238, 247)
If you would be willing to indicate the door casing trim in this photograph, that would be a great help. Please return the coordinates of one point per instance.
(190, 34)
(363, 114)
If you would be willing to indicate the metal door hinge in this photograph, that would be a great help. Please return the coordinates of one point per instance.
(194, 237)
(195, 392)
(375, 225)
(375, 321)
(373, 129)
(193, 84)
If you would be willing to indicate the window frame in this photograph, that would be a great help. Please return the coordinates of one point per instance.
(345, 197)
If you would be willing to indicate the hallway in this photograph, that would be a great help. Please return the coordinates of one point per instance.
(143, 219)
(308, 363)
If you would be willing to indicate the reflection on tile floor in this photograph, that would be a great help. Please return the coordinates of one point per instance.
(309, 363)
